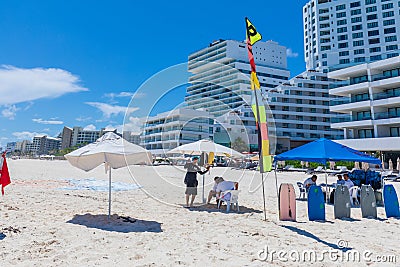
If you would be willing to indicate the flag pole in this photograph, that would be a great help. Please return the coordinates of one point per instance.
(109, 192)
(263, 190)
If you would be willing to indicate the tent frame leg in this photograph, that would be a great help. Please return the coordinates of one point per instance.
(109, 192)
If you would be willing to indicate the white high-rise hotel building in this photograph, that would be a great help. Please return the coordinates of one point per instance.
(340, 33)
(220, 80)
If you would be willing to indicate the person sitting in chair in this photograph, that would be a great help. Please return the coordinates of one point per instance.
(213, 191)
(222, 186)
(310, 181)
(347, 182)
(340, 180)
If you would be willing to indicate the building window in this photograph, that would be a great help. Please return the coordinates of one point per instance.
(394, 131)
(341, 22)
(370, 9)
(370, 2)
(341, 29)
(359, 59)
(388, 14)
(387, 6)
(299, 126)
(389, 22)
(372, 25)
(313, 118)
(373, 33)
(355, 4)
(374, 58)
(299, 118)
(392, 47)
(299, 101)
(299, 109)
(390, 30)
(357, 35)
(340, 7)
(356, 20)
(343, 45)
(344, 61)
(392, 38)
(356, 27)
(356, 12)
(371, 17)
(340, 15)
(358, 43)
(375, 49)
(365, 133)
(374, 41)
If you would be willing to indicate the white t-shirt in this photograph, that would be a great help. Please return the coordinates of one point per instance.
(308, 181)
(349, 183)
(225, 185)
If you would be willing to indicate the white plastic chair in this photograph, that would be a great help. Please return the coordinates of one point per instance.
(232, 200)
(302, 190)
(354, 190)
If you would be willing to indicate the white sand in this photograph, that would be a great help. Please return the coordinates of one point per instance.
(45, 226)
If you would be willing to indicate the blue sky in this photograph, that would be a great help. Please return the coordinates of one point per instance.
(78, 63)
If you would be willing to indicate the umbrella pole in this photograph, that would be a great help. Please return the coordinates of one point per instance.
(109, 192)
(263, 190)
(204, 199)
(326, 186)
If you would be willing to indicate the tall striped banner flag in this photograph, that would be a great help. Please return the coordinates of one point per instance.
(257, 105)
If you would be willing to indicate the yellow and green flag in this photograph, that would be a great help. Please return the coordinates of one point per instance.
(257, 105)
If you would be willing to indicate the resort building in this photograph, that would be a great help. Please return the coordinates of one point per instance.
(370, 105)
(220, 81)
(79, 136)
(168, 130)
(301, 110)
(343, 33)
(43, 144)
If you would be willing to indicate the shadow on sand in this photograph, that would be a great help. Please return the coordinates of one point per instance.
(116, 223)
(213, 208)
(316, 238)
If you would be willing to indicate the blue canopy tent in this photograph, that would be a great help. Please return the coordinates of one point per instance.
(324, 150)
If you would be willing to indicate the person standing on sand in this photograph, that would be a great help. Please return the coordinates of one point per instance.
(191, 179)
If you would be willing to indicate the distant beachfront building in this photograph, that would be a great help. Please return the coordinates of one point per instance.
(21, 146)
(11, 146)
(132, 137)
(43, 144)
(370, 105)
(168, 130)
(79, 136)
(220, 81)
(301, 110)
(343, 33)
(238, 123)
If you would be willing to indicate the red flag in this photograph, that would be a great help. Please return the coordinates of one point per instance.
(4, 175)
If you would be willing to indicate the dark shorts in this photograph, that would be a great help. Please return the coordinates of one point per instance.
(191, 191)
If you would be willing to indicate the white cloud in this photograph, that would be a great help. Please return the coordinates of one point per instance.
(109, 110)
(83, 119)
(20, 85)
(9, 112)
(121, 94)
(26, 135)
(290, 53)
(41, 121)
(89, 127)
(134, 124)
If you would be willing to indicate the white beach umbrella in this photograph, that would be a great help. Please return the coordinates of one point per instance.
(205, 146)
(390, 164)
(112, 150)
(398, 164)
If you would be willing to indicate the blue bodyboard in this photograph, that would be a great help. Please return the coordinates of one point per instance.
(316, 204)
(391, 201)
